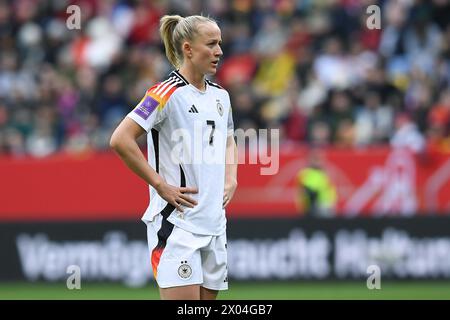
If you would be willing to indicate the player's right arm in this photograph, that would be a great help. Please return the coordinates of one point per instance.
(123, 141)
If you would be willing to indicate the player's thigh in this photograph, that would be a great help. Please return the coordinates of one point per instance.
(190, 292)
(208, 294)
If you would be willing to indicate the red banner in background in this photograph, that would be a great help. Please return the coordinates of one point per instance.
(99, 187)
(369, 182)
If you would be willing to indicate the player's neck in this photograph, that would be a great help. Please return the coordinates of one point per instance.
(194, 78)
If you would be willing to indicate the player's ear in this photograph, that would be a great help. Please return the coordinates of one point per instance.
(187, 49)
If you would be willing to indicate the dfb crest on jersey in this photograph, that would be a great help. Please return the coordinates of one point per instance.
(219, 108)
(185, 270)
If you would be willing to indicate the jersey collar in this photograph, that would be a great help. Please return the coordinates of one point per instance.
(179, 76)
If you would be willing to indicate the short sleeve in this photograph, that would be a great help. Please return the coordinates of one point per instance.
(149, 112)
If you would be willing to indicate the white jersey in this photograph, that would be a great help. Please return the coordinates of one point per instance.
(187, 144)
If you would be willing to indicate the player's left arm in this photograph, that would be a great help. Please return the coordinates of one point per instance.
(231, 164)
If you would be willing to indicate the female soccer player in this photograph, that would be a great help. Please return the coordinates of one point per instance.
(192, 162)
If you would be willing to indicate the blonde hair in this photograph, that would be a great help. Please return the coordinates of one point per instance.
(174, 29)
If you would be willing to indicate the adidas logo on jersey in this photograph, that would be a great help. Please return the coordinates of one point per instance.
(193, 109)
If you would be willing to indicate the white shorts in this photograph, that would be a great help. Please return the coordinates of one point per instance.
(181, 258)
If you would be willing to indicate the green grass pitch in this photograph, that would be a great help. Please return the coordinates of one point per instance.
(238, 291)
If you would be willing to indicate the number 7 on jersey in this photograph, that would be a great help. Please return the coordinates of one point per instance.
(211, 136)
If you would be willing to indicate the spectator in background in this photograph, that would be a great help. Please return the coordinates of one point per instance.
(277, 65)
(331, 65)
(317, 195)
(295, 123)
(237, 70)
(439, 124)
(339, 109)
(422, 41)
(247, 111)
(395, 13)
(87, 76)
(407, 135)
(374, 121)
(319, 134)
(112, 105)
(345, 134)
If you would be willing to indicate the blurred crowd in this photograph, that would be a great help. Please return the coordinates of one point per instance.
(312, 69)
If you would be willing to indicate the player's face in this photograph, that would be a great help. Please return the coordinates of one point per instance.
(205, 49)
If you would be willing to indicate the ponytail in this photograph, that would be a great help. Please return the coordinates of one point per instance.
(168, 24)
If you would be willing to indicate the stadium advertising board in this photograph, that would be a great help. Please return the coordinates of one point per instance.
(265, 249)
